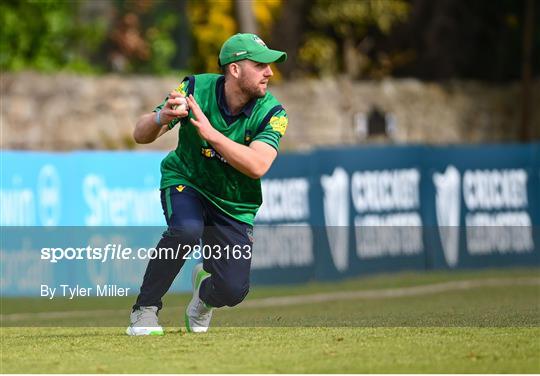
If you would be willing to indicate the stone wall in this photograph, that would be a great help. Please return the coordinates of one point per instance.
(66, 112)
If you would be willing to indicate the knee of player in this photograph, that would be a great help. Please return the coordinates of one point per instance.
(235, 293)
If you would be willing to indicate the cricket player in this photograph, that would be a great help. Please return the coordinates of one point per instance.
(230, 128)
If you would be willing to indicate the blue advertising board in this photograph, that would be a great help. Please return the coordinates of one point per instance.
(327, 214)
(483, 206)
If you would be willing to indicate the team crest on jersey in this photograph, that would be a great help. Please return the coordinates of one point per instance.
(208, 153)
(182, 88)
(259, 40)
(279, 124)
(211, 153)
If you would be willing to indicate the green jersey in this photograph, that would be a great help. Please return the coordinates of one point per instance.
(196, 164)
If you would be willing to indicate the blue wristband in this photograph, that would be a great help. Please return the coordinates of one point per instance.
(158, 120)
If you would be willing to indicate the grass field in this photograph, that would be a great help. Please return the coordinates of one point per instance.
(462, 322)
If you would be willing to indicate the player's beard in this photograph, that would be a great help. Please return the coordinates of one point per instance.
(252, 90)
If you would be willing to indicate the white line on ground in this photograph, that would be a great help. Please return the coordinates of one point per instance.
(281, 301)
(389, 293)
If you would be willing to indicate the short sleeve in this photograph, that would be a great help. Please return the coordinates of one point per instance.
(274, 129)
(185, 88)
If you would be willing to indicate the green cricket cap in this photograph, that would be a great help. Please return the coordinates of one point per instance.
(250, 47)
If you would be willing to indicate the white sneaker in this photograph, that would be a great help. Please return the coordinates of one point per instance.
(198, 314)
(144, 322)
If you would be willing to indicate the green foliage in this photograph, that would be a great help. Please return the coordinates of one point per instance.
(162, 45)
(343, 26)
(214, 21)
(354, 17)
(47, 35)
(319, 52)
(142, 36)
(361, 38)
(266, 13)
(162, 50)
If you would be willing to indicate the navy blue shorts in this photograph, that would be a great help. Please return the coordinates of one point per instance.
(202, 230)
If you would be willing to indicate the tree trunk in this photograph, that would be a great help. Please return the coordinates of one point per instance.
(526, 72)
(245, 17)
(288, 32)
(350, 58)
